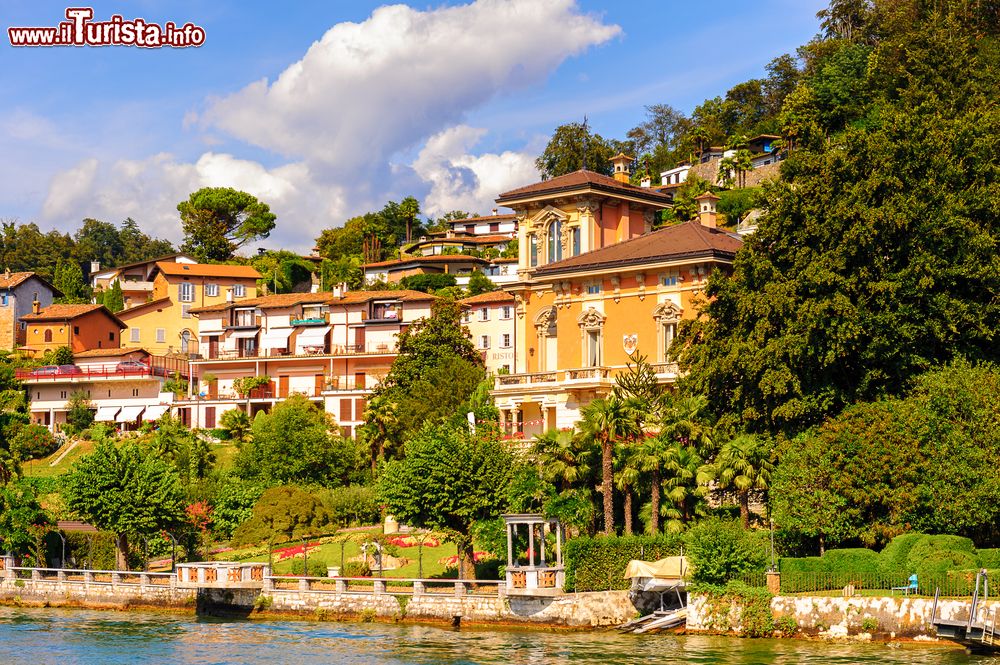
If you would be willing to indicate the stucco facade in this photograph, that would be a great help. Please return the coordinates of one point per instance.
(333, 348)
(164, 324)
(80, 327)
(17, 293)
(490, 320)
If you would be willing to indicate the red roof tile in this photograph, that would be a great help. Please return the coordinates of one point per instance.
(488, 297)
(690, 239)
(583, 180)
(434, 258)
(207, 270)
(68, 312)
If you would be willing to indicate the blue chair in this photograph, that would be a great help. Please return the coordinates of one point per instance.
(909, 588)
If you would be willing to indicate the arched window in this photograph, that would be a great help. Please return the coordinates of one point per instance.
(48, 335)
(533, 251)
(185, 340)
(555, 241)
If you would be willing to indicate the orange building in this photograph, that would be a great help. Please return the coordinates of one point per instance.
(597, 289)
(80, 327)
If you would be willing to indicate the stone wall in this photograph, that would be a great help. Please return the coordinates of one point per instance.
(96, 594)
(898, 616)
(710, 171)
(577, 610)
(570, 610)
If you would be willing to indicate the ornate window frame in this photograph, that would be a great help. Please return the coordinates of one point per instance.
(667, 315)
(591, 322)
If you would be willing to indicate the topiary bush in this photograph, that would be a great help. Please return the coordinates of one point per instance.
(720, 550)
(989, 558)
(895, 553)
(598, 564)
(853, 560)
(938, 554)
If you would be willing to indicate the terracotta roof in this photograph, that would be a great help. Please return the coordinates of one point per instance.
(485, 218)
(136, 264)
(583, 180)
(434, 258)
(109, 353)
(69, 312)
(16, 278)
(501, 259)
(207, 270)
(136, 308)
(468, 238)
(488, 297)
(322, 298)
(13, 279)
(690, 239)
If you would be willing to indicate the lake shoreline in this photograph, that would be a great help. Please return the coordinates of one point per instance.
(279, 616)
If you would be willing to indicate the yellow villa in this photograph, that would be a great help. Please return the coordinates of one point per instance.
(164, 325)
(597, 289)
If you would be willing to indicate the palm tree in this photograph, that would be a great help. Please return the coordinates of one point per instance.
(743, 464)
(629, 472)
(380, 429)
(562, 459)
(605, 421)
(680, 480)
(650, 456)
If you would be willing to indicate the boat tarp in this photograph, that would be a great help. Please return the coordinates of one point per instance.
(673, 567)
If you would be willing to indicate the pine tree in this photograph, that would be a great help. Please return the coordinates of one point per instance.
(113, 298)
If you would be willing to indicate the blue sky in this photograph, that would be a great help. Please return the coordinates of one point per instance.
(449, 102)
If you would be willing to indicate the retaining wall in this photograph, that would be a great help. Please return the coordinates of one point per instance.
(570, 610)
(898, 616)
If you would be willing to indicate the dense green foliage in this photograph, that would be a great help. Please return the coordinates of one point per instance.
(480, 283)
(24, 247)
(19, 512)
(125, 489)
(598, 564)
(68, 278)
(219, 220)
(925, 462)
(233, 503)
(434, 374)
(296, 442)
(33, 442)
(113, 298)
(448, 480)
(352, 505)
(428, 283)
(281, 271)
(283, 514)
(720, 550)
(870, 263)
(79, 413)
(374, 236)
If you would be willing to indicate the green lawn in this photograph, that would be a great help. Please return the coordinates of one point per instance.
(40, 468)
(330, 554)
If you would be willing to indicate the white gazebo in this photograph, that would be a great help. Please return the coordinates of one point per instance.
(537, 575)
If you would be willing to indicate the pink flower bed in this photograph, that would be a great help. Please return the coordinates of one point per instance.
(410, 541)
(289, 552)
(453, 560)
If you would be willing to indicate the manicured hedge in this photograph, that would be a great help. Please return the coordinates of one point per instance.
(854, 560)
(989, 558)
(896, 552)
(598, 564)
(806, 564)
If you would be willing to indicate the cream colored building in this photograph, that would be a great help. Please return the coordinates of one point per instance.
(490, 320)
(332, 347)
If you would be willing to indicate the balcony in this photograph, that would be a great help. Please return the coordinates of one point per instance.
(332, 350)
(312, 321)
(243, 323)
(156, 367)
(580, 378)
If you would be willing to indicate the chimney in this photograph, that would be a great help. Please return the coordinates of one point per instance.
(496, 212)
(707, 214)
(646, 183)
(229, 294)
(621, 162)
(36, 307)
(6, 273)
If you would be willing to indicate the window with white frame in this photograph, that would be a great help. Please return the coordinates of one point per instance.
(134, 334)
(484, 314)
(505, 340)
(505, 312)
(484, 341)
(211, 290)
(466, 316)
(239, 290)
(186, 292)
(161, 335)
(593, 288)
(593, 358)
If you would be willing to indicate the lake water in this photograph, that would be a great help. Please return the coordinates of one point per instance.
(80, 637)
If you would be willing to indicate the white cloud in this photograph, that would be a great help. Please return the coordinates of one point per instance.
(367, 90)
(462, 181)
(360, 97)
(149, 190)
